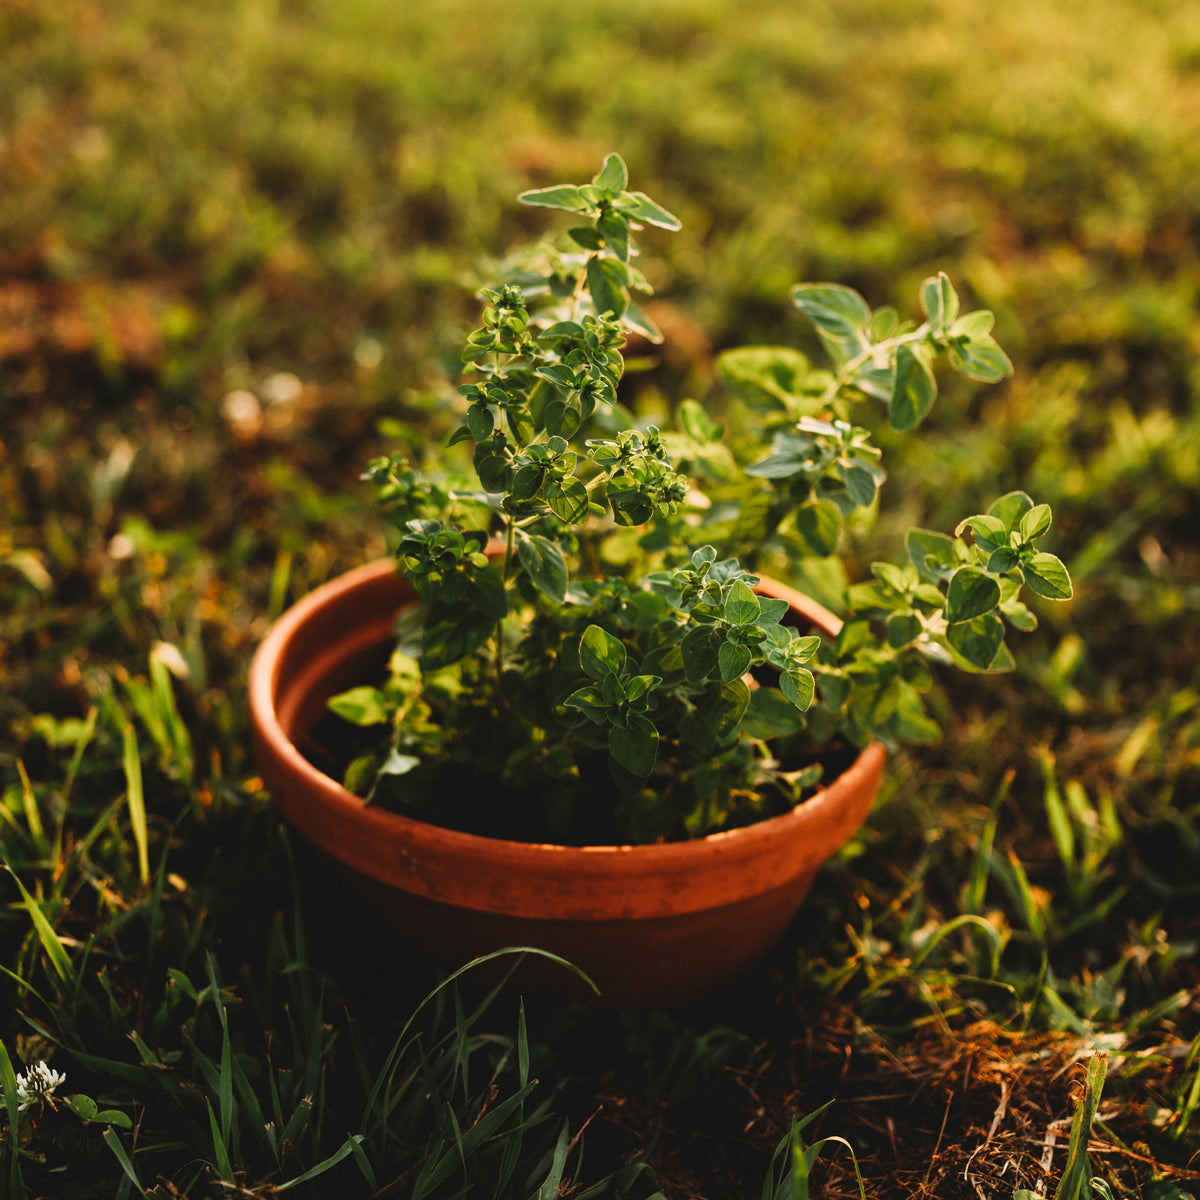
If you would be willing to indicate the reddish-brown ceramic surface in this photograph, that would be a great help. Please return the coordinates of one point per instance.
(647, 923)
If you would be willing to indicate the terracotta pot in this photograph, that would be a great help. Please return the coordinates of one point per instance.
(655, 924)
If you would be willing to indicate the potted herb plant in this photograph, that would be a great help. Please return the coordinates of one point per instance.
(573, 713)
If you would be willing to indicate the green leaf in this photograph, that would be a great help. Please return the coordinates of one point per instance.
(527, 482)
(360, 706)
(913, 392)
(606, 280)
(492, 467)
(480, 422)
(544, 561)
(600, 654)
(771, 715)
(940, 301)
(587, 237)
(990, 532)
(87, 1110)
(799, 686)
(634, 744)
(793, 456)
(1035, 522)
(568, 499)
(398, 764)
(84, 1107)
(902, 628)
(562, 418)
(742, 607)
(613, 175)
(453, 634)
(909, 722)
(973, 325)
(558, 373)
(614, 228)
(639, 321)
(700, 649)
(564, 196)
(978, 640)
(1010, 508)
(1018, 616)
(884, 324)
(722, 708)
(801, 649)
(697, 424)
(733, 660)
(982, 359)
(771, 612)
(589, 701)
(852, 637)
(1046, 575)
(972, 593)
(861, 484)
(819, 523)
(758, 374)
(640, 686)
(932, 553)
(834, 309)
(639, 207)
(1002, 560)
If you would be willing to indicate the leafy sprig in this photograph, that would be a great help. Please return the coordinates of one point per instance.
(539, 654)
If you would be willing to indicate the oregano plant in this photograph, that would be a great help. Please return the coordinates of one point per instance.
(588, 659)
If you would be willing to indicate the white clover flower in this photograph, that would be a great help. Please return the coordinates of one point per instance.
(37, 1084)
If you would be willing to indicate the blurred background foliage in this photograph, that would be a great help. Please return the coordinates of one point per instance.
(286, 202)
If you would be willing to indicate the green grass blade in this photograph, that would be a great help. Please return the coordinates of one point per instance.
(85, 739)
(33, 817)
(225, 1091)
(399, 1045)
(137, 801)
(225, 1071)
(1077, 1172)
(220, 1150)
(801, 1167)
(1189, 1098)
(352, 1145)
(114, 1144)
(298, 1121)
(1061, 828)
(26, 987)
(249, 1101)
(992, 936)
(362, 1161)
(179, 741)
(814, 1152)
(550, 1188)
(976, 891)
(55, 950)
(8, 1081)
(522, 1047)
(1030, 908)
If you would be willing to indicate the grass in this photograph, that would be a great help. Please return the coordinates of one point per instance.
(236, 254)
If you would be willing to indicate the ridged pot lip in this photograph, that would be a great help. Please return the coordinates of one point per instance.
(262, 684)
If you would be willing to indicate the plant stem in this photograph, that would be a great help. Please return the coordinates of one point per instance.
(509, 540)
(847, 369)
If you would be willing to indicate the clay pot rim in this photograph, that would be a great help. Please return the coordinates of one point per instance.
(262, 683)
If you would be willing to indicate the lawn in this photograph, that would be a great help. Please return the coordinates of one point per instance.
(239, 244)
